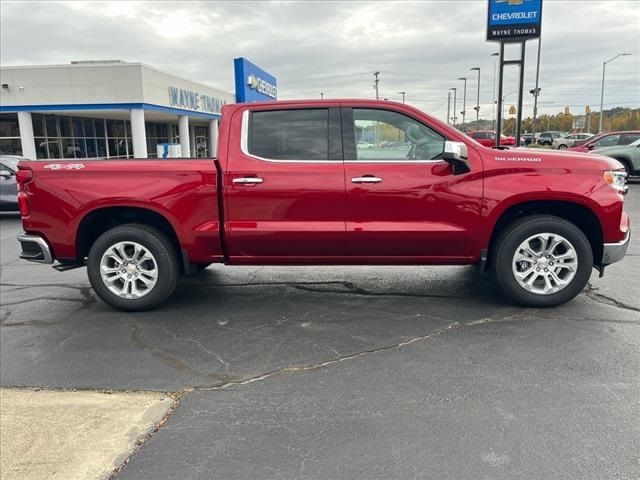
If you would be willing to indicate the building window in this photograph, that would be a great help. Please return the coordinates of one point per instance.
(10, 134)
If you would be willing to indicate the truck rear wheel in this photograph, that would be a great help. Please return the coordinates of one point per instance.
(133, 267)
(542, 261)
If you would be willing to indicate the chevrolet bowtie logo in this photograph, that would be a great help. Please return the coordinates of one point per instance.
(511, 2)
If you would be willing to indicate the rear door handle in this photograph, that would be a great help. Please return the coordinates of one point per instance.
(247, 180)
(366, 179)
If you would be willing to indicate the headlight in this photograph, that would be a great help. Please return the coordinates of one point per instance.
(617, 179)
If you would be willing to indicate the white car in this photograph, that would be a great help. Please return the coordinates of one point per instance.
(563, 143)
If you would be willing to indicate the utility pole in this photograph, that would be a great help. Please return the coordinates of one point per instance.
(403, 94)
(448, 107)
(455, 105)
(604, 65)
(477, 107)
(464, 101)
(495, 101)
(535, 92)
(375, 84)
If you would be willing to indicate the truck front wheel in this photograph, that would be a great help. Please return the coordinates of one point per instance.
(133, 267)
(542, 261)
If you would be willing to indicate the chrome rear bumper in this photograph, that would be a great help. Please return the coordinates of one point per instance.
(614, 252)
(34, 249)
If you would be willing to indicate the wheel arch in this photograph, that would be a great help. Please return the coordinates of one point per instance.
(578, 214)
(97, 221)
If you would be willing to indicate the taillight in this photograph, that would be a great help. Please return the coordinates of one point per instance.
(23, 176)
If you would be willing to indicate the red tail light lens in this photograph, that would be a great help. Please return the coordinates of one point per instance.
(23, 176)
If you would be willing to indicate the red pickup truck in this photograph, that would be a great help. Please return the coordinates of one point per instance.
(329, 182)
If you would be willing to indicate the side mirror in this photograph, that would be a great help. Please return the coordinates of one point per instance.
(456, 155)
(6, 174)
(591, 147)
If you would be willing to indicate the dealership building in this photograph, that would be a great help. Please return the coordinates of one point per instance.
(116, 109)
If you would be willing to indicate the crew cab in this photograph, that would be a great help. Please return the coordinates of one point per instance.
(310, 183)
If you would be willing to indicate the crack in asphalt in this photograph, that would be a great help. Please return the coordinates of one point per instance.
(135, 338)
(592, 293)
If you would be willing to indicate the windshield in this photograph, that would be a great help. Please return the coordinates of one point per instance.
(11, 162)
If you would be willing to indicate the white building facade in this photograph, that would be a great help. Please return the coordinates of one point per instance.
(106, 109)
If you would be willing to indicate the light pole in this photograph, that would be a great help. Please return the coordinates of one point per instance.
(321, 95)
(403, 94)
(535, 92)
(477, 107)
(464, 101)
(448, 107)
(604, 65)
(375, 84)
(496, 54)
(455, 105)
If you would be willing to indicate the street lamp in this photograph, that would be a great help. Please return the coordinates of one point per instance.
(604, 64)
(464, 101)
(403, 94)
(496, 54)
(477, 107)
(455, 105)
(321, 95)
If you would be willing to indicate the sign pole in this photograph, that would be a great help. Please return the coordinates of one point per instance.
(500, 85)
(520, 94)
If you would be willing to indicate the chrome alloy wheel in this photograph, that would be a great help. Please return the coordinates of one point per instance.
(128, 270)
(545, 263)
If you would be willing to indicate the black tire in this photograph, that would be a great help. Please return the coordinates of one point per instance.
(626, 164)
(510, 239)
(562, 147)
(157, 244)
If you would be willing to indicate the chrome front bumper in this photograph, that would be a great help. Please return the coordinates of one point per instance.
(34, 249)
(614, 252)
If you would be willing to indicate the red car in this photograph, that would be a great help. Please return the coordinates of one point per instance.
(292, 186)
(487, 138)
(610, 139)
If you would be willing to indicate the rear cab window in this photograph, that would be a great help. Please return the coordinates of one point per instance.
(293, 135)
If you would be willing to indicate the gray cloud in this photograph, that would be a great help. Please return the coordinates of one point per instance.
(334, 47)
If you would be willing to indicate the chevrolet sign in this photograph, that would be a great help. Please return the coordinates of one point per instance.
(514, 20)
(262, 86)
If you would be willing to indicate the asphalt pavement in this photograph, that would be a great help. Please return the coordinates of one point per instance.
(347, 372)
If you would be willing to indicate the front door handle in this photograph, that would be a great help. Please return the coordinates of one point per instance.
(366, 179)
(247, 180)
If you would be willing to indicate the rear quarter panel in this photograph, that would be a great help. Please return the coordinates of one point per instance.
(182, 191)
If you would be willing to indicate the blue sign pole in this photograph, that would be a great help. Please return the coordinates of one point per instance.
(513, 21)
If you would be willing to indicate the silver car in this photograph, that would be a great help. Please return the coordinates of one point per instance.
(567, 141)
(8, 184)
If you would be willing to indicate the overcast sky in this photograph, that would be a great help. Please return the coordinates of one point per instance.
(420, 47)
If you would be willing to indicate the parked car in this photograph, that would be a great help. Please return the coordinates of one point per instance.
(547, 138)
(610, 139)
(8, 184)
(526, 139)
(562, 143)
(288, 187)
(487, 138)
(627, 155)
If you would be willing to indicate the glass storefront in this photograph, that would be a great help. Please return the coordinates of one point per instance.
(79, 137)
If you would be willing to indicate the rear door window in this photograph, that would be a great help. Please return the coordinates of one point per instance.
(301, 134)
(628, 138)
